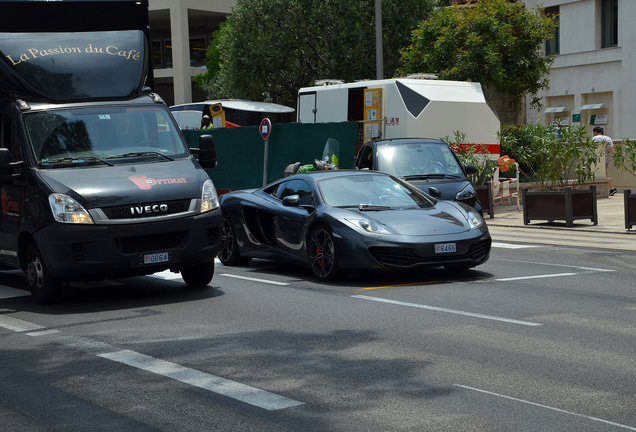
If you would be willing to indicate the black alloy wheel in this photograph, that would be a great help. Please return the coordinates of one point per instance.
(45, 289)
(322, 255)
(229, 254)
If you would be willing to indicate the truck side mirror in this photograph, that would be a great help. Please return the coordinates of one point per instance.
(207, 151)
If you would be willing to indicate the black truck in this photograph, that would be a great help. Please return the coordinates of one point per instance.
(96, 180)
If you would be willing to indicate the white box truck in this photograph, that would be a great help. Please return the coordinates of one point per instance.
(413, 108)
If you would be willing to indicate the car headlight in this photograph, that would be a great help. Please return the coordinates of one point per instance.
(209, 198)
(474, 220)
(467, 193)
(366, 226)
(66, 210)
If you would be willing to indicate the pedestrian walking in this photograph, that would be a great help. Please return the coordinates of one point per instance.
(600, 137)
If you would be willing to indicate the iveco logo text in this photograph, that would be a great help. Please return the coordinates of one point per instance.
(149, 209)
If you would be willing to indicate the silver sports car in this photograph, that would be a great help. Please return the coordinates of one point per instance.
(341, 221)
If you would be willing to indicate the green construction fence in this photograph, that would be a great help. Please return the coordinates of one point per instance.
(240, 151)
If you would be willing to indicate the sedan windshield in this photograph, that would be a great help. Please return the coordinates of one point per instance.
(104, 135)
(371, 192)
(418, 159)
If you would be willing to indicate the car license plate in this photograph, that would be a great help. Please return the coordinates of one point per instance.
(156, 258)
(445, 248)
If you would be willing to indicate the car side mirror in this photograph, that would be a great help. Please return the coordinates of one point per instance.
(5, 158)
(434, 192)
(6, 167)
(470, 170)
(291, 200)
(207, 152)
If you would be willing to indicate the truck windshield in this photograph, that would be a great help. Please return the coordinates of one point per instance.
(418, 159)
(103, 135)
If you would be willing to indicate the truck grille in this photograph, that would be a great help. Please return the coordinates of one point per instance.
(125, 212)
(150, 243)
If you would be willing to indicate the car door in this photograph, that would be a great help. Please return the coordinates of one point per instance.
(289, 222)
(365, 158)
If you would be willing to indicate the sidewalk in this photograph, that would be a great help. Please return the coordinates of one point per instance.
(610, 233)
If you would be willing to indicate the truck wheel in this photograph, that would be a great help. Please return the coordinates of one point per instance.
(45, 289)
(198, 276)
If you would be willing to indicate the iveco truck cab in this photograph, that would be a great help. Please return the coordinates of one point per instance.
(96, 180)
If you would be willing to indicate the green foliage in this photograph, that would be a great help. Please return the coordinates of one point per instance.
(625, 156)
(496, 43)
(214, 57)
(271, 48)
(472, 154)
(554, 155)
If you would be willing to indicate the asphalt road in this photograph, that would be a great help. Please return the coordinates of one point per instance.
(540, 338)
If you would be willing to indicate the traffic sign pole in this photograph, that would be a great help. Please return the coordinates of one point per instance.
(265, 129)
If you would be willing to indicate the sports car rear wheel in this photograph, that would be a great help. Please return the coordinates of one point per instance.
(322, 255)
(229, 254)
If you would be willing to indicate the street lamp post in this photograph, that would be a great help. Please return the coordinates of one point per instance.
(379, 54)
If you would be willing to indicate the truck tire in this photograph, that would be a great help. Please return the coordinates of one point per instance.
(45, 289)
(198, 276)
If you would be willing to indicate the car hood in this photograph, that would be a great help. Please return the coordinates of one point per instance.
(127, 184)
(444, 218)
(448, 188)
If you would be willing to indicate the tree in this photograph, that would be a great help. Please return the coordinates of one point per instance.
(494, 42)
(269, 49)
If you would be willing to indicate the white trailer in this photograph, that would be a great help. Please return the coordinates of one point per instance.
(405, 108)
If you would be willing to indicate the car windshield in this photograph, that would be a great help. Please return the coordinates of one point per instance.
(104, 135)
(418, 159)
(371, 191)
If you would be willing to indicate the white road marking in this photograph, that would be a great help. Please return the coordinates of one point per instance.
(253, 279)
(511, 246)
(42, 333)
(235, 390)
(452, 311)
(7, 292)
(548, 407)
(17, 325)
(536, 277)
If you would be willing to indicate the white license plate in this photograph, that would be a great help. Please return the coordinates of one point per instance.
(156, 258)
(445, 248)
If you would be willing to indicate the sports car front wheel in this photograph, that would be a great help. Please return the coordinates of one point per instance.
(322, 255)
(229, 254)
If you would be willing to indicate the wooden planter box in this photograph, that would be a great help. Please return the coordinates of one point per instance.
(484, 195)
(630, 208)
(567, 205)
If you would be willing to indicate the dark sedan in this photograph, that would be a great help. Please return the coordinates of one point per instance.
(350, 222)
(428, 164)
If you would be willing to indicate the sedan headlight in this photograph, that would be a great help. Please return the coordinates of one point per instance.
(474, 220)
(66, 210)
(209, 198)
(467, 193)
(366, 226)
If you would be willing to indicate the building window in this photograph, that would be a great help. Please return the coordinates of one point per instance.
(609, 23)
(198, 49)
(552, 45)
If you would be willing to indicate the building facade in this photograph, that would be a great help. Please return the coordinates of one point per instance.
(592, 80)
(181, 33)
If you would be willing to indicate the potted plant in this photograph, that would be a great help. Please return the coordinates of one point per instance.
(476, 155)
(624, 158)
(559, 161)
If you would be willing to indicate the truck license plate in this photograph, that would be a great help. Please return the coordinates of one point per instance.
(156, 258)
(445, 248)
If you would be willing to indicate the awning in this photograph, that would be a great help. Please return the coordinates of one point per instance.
(594, 106)
(556, 109)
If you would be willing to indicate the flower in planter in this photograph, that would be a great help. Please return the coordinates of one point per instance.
(553, 156)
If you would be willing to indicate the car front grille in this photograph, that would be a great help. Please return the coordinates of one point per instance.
(408, 257)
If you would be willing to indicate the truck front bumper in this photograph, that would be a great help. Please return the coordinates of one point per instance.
(96, 252)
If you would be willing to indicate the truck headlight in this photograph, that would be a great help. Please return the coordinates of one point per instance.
(66, 210)
(209, 198)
